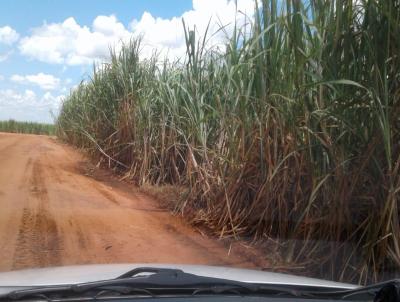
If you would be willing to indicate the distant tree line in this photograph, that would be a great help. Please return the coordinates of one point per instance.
(26, 127)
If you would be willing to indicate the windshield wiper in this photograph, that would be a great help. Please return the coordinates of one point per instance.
(164, 281)
(144, 280)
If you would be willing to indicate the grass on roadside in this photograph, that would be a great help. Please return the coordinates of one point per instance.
(13, 126)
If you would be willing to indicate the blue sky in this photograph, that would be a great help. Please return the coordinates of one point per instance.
(48, 46)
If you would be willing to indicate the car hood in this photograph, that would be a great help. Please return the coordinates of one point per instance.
(87, 273)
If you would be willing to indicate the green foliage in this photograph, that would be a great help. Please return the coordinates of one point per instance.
(291, 132)
(26, 127)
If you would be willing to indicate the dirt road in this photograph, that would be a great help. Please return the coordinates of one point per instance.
(51, 214)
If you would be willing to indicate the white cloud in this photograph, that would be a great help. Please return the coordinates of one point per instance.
(10, 97)
(44, 81)
(8, 35)
(167, 35)
(28, 106)
(69, 43)
(1, 77)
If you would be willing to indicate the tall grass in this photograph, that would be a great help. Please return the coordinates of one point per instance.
(26, 127)
(291, 132)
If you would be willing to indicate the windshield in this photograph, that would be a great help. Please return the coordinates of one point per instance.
(258, 134)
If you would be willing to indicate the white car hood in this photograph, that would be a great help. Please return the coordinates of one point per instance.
(87, 273)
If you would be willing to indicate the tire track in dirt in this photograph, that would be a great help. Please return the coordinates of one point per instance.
(38, 236)
(109, 196)
(6, 149)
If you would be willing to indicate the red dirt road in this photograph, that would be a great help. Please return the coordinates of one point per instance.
(53, 214)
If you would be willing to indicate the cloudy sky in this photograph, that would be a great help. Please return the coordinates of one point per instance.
(48, 46)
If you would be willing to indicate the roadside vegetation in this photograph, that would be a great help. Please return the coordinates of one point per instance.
(13, 126)
(290, 133)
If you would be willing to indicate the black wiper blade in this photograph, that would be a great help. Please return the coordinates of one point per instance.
(134, 281)
(161, 281)
(145, 270)
(162, 278)
(36, 291)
